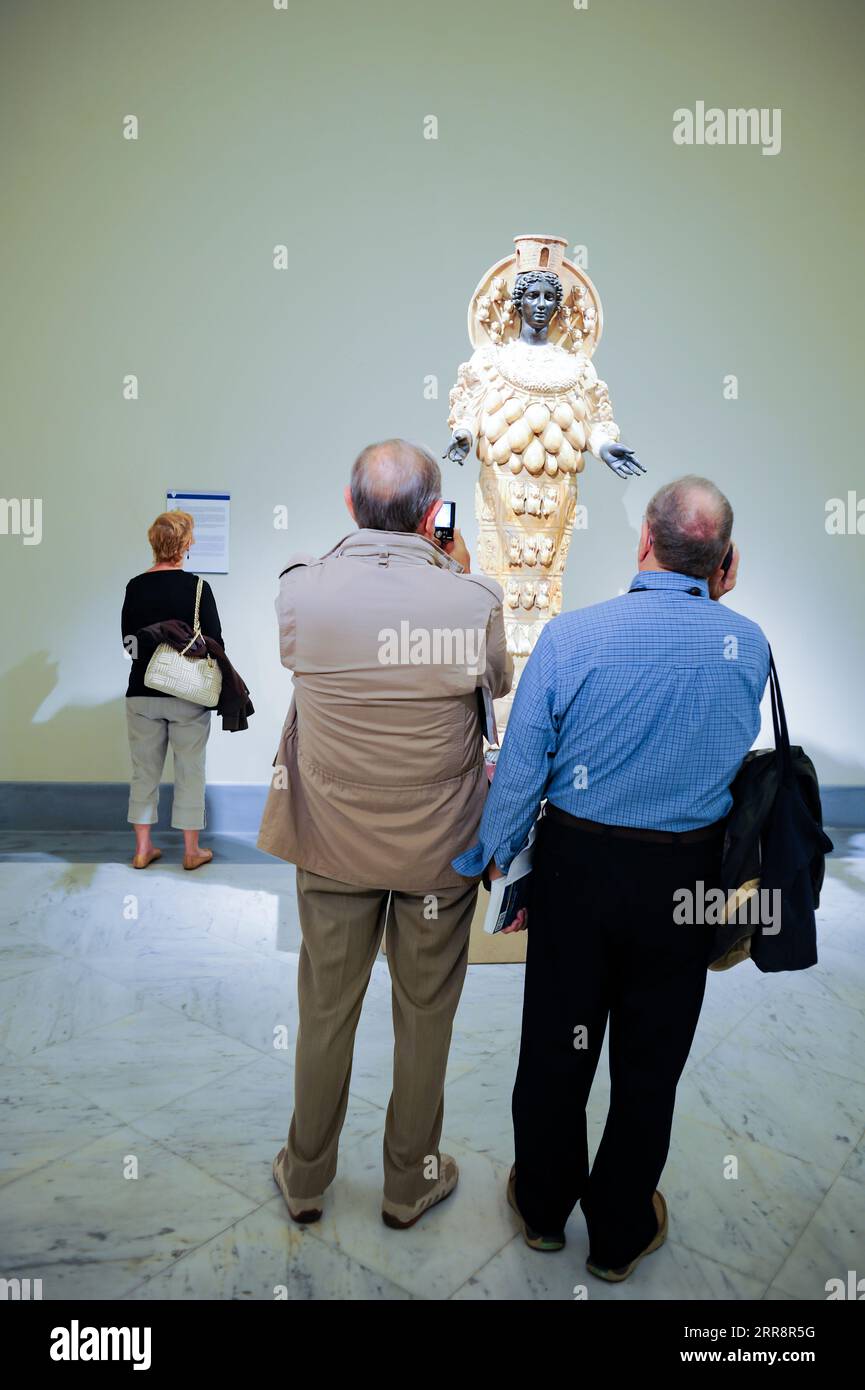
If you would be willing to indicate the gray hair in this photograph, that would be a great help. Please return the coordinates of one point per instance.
(393, 485)
(691, 522)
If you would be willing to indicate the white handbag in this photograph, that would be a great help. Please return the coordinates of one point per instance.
(195, 678)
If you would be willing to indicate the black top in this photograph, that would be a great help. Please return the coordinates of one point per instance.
(155, 597)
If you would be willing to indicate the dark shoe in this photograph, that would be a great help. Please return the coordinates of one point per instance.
(545, 1243)
(400, 1217)
(615, 1276)
(303, 1210)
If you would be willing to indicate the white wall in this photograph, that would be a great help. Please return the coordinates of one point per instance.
(258, 128)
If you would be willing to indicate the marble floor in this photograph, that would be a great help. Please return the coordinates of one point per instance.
(146, 1034)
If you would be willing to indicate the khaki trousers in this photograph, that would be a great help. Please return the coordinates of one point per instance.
(154, 721)
(342, 927)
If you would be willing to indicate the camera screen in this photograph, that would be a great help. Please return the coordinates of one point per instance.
(445, 515)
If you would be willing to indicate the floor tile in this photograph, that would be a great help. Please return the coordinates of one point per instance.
(261, 1257)
(144, 1061)
(233, 1126)
(87, 1231)
(831, 1247)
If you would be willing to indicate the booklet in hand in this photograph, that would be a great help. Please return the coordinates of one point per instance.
(487, 714)
(509, 894)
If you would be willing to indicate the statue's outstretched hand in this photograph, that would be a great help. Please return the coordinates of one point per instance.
(458, 447)
(623, 461)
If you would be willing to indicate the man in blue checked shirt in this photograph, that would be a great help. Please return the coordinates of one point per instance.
(632, 718)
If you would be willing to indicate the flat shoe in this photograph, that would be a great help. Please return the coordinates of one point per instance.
(303, 1210)
(195, 861)
(615, 1276)
(537, 1242)
(400, 1217)
(140, 861)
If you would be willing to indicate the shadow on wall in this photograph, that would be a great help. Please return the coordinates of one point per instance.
(44, 752)
(46, 763)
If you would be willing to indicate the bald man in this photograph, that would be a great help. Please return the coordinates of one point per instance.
(380, 782)
(631, 719)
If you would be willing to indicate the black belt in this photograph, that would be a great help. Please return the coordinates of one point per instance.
(631, 832)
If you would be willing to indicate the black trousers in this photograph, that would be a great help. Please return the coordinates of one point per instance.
(602, 943)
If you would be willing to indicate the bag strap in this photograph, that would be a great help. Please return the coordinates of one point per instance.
(196, 625)
(783, 756)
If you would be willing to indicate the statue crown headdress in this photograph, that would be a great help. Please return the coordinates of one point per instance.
(540, 253)
(492, 319)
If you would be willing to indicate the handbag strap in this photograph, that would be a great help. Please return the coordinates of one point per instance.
(783, 756)
(196, 626)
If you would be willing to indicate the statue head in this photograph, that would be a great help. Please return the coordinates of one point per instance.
(536, 296)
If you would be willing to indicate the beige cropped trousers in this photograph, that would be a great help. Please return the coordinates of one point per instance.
(154, 722)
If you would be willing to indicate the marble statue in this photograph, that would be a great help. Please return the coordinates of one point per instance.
(531, 402)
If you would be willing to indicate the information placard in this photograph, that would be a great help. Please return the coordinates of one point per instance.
(209, 551)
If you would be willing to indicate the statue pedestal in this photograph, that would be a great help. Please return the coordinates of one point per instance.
(487, 950)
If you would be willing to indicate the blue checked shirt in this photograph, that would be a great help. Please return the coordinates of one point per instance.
(637, 711)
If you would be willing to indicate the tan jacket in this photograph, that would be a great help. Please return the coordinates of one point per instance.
(379, 777)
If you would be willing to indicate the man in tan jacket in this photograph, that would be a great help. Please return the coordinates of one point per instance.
(379, 783)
